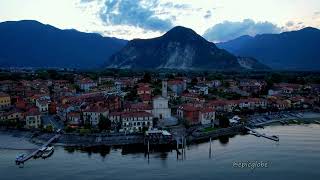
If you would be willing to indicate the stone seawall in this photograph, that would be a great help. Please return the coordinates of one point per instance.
(93, 139)
(199, 136)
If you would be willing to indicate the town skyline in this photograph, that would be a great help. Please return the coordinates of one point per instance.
(148, 19)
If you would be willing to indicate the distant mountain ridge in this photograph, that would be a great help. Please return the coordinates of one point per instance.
(296, 50)
(179, 48)
(30, 43)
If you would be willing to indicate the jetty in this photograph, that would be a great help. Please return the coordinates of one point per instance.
(23, 159)
(256, 133)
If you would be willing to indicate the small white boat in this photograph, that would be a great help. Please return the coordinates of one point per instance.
(19, 158)
(40, 152)
(43, 149)
(48, 152)
(48, 149)
(276, 138)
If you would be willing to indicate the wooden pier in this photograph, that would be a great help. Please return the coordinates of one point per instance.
(256, 133)
(31, 155)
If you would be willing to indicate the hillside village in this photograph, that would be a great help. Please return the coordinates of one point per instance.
(143, 101)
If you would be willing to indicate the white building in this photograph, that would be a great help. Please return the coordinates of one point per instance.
(136, 121)
(33, 119)
(86, 84)
(43, 105)
(161, 108)
(207, 116)
(93, 115)
(202, 89)
(273, 92)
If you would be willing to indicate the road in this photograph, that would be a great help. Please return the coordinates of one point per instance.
(50, 119)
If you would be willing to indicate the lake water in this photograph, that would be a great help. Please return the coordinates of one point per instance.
(296, 156)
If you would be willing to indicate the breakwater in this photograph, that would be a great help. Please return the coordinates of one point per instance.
(201, 136)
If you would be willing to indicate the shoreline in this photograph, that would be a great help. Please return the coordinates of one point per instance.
(284, 118)
(94, 140)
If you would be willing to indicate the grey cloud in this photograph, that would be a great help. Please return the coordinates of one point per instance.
(208, 14)
(135, 13)
(176, 6)
(230, 30)
(86, 1)
(290, 24)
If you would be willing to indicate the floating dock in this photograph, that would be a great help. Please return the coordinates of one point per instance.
(256, 133)
(31, 155)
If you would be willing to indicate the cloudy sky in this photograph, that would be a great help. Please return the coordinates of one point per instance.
(216, 20)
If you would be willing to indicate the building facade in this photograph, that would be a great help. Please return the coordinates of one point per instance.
(33, 118)
(5, 100)
(136, 121)
(161, 108)
(93, 115)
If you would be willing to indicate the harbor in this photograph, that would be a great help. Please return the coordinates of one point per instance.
(198, 158)
(153, 140)
(21, 159)
(257, 134)
(283, 118)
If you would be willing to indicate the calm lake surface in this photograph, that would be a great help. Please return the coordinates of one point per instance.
(296, 156)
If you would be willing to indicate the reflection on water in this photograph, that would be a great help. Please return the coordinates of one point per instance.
(299, 146)
(102, 150)
(125, 150)
(224, 140)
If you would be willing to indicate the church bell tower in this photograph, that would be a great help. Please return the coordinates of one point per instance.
(164, 88)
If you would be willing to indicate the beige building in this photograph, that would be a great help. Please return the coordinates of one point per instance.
(93, 115)
(33, 118)
(136, 121)
(161, 108)
(4, 100)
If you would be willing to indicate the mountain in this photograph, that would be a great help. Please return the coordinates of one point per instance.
(32, 44)
(296, 50)
(251, 63)
(179, 48)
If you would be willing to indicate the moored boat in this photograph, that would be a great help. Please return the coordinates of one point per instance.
(19, 158)
(48, 152)
(40, 152)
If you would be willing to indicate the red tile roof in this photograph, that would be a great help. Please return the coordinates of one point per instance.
(33, 112)
(131, 114)
(2, 94)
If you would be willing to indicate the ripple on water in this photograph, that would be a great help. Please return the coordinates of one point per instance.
(296, 156)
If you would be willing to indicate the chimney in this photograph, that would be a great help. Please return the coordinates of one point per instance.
(164, 88)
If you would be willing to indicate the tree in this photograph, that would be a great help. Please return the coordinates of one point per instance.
(194, 81)
(53, 74)
(104, 123)
(147, 77)
(87, 124)
(132, 94)
(226, 84)
(68, 129)
(223, 121)
(170, 76)
(49, 128)
(157, 91)
(144, 129)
